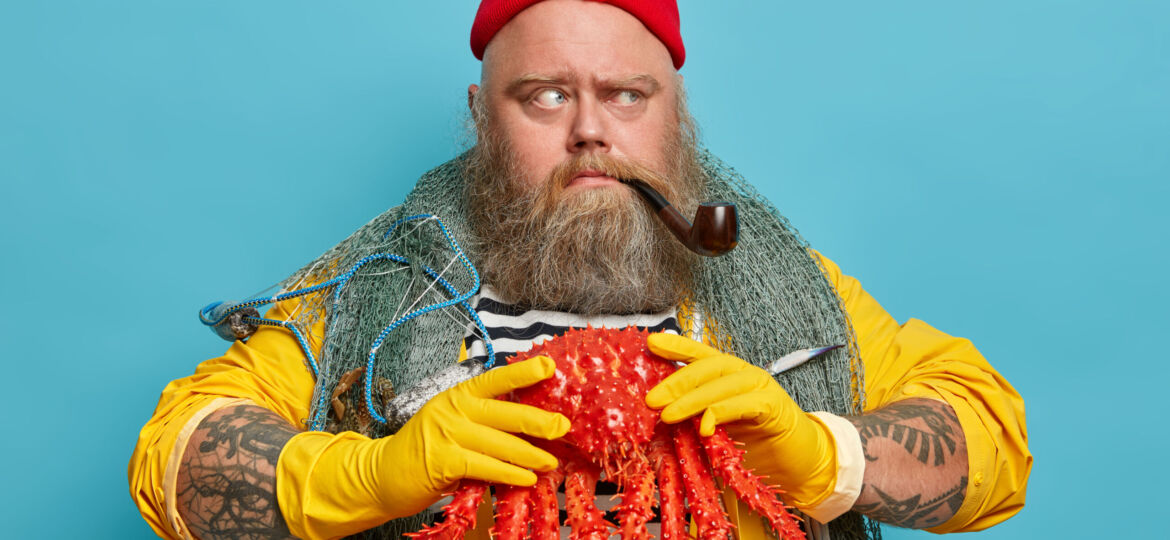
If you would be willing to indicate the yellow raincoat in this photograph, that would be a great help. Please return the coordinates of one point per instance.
(901, 361)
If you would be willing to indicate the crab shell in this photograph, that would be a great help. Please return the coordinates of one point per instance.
(600, 385)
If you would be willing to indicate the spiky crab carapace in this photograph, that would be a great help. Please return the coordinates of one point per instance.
(600, 384)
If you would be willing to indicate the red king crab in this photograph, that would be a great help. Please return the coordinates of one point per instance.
(600, 384)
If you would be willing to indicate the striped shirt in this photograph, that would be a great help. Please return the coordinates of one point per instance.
(513, 329)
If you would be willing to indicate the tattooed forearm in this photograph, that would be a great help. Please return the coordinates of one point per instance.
(913, 512)
(894, 423)
(916, 463)
(227, 478)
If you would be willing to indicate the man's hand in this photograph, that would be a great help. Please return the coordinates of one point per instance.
(330, 486)
(783, 442)
(465, 432)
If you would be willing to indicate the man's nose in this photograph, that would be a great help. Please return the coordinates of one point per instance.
(589, 132)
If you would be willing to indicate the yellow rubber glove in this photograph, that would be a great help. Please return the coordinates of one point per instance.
(790, 447)
(330, 486)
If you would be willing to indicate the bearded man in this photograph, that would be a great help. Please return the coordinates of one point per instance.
(907, 425)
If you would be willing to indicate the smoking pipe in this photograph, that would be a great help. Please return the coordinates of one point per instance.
(716, 228)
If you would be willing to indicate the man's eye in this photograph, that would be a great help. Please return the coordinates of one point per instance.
(550, 98)
(627, 97)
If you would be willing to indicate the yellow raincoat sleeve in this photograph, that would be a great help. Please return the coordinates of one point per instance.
(268, 370)
(916, 360)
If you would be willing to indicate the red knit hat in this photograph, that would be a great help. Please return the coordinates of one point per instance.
(659, 16)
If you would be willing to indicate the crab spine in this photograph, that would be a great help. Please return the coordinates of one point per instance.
(670, 487)
(513, 504)
(586, 520)
(702, 497)
(460, 513)
(546, 519)
(727, 461)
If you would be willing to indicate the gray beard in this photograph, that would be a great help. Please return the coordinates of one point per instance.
(591, 251)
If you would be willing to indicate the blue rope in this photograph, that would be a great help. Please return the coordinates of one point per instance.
(257, 302)
(338, 285)
(470, 270)
(296, 332)
(457, 298)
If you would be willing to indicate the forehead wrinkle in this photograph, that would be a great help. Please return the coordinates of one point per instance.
(569, 76)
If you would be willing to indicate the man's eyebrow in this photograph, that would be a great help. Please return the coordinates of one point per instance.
(641, 79)
(530, 78)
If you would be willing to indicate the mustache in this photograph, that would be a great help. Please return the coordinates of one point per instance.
(616, 167)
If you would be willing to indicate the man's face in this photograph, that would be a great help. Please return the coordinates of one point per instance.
(565, 78)
(576, 94)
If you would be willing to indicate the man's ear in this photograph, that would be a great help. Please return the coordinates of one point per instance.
(471, 91)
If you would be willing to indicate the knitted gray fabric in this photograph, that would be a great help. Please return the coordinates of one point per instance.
(766, 298)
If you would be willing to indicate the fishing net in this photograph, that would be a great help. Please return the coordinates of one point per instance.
(766, 298)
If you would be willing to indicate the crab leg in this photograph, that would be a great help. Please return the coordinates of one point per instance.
(702, 496)
(587, 522)
(670, 487)
(459, 514)
(513, 504)
(546, 523)
(637, 493)
(727, 461)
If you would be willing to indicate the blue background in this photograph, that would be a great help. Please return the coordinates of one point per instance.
(997, 168)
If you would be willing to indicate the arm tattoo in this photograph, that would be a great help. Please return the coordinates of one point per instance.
(884, 424)
(227, 478)
(912, 511)
(916, 463)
